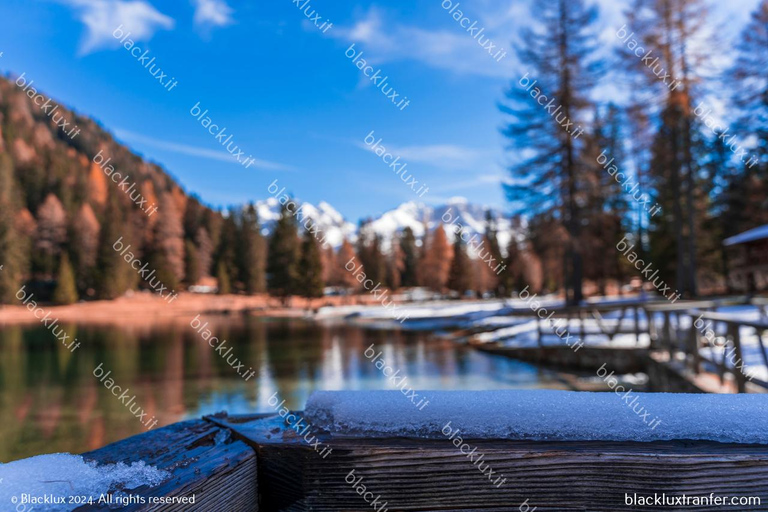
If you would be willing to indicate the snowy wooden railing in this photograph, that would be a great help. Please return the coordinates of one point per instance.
(580, 314)
(465, 451)
(553, 450)
(640, 312)
(672, 333)
(693, 328)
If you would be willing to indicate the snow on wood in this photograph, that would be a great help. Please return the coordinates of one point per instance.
(544, 415)
(61, 475)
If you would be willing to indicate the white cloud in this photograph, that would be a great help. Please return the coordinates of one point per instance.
(183, 149)
(450, 48)
(102, 17)
(213, 13)
(447, 46)
(482, 180)
(445, 156)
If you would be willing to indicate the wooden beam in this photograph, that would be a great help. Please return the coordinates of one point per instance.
(203, 460)
(561, 357)
(432, 474)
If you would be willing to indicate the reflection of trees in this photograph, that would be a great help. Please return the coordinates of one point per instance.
(294, 351)
(54, 402)
(173, 376)
(15, 401)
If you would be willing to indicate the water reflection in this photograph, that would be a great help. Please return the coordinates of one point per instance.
(51, 401)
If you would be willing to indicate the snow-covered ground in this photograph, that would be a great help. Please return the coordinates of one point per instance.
(434, 315)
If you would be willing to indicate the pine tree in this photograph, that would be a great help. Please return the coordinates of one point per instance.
(310, 268)
(639, 152)
(11, 251)
(532, 273)
(111, 278)
(460, 273)
(547, 238)
(750, 78)
(673, 29)
(511, 277)
(194, 215)
(226, 253)
(493, 250)
(342, 276)
(408, 276)
(370, 254)
(192, 270)
(204, 246)
(51, 233)
(605, 206)
(283, 256)
(252, 253)
(222, 277)
(437, 261)
(749, 81)
(164, 274)
(84, 246)
(169, 240)
(65, 291)
(328, 261)
(559, 52)
(395, 265)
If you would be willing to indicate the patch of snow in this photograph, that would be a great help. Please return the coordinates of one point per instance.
(543, 415)
(64, 475)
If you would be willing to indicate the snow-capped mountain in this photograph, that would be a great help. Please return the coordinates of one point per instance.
(456, 212)
(331, 223)
(455, 215)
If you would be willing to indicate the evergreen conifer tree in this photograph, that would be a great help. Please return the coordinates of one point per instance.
(11, 255)
(252, 253)
(558, 52)
(283, 256)
(111, 279)
(460, 274)
(408, 276)
(65, 291)
(310, 268)
(222, 277)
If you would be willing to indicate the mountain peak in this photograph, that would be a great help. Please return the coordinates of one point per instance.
(411, 214)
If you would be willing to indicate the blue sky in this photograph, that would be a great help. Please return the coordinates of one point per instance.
(286, 91)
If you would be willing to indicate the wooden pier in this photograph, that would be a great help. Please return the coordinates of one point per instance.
(668, 345)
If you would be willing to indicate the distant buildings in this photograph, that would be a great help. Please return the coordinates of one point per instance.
(748, 260)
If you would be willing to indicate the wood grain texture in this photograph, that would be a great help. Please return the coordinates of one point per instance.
(432, 475)
(220, 472)
(620, 360)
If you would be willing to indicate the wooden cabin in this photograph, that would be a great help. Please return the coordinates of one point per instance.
(747, 255)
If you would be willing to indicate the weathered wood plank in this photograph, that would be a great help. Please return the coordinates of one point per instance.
(203, 460)
(432, 474)
(561, 357)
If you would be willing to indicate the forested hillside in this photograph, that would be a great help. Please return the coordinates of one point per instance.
(81, 215)
(66, 200)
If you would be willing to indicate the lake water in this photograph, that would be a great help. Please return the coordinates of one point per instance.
(51, 401)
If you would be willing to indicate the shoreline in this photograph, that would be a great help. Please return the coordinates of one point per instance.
(143, 307)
